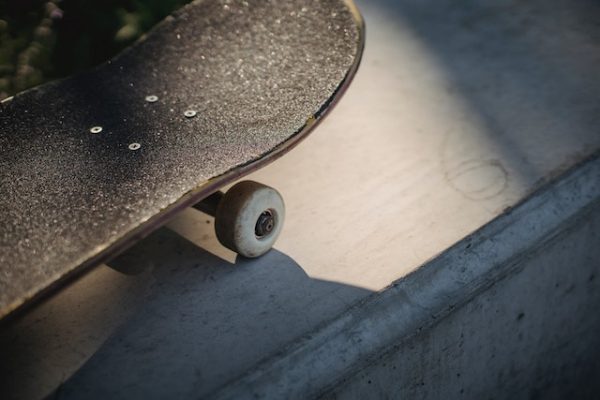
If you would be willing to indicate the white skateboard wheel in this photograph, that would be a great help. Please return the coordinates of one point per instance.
(249, 218)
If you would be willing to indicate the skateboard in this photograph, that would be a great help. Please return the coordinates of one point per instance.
(93, 163)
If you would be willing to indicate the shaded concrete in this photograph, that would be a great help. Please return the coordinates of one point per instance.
(204, 325)
(192, 322)
(533, 333)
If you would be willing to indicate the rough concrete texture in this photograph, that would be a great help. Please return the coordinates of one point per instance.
(533, 334)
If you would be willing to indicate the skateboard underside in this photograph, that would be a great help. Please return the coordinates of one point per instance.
(92, 163)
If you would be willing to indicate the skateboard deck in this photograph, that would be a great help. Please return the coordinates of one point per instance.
(93, 163)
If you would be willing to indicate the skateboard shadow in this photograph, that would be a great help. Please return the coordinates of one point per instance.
(185, 323)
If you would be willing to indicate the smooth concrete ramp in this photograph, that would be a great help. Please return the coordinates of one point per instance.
(441, 241)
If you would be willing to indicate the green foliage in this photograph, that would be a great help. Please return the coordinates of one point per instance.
(43, 40)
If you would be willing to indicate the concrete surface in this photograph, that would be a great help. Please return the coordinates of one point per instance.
(458, 323)
(460, 112)
(530, 331)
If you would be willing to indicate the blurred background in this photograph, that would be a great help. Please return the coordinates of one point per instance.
(45, 40)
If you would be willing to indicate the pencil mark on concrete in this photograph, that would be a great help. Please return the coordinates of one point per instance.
(478, 179)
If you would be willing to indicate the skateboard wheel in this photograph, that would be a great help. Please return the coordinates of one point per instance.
(249, 218)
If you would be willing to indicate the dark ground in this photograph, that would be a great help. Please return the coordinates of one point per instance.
(45, 40)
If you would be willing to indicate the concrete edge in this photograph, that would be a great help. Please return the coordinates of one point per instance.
(344, 346)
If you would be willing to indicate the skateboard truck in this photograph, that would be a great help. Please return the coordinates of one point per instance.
(248, 217)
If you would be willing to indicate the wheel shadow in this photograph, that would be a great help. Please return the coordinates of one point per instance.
(175, 321)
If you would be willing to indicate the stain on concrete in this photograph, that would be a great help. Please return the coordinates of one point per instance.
(478, 179)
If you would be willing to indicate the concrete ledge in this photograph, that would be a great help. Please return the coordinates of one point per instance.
(394, 321)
